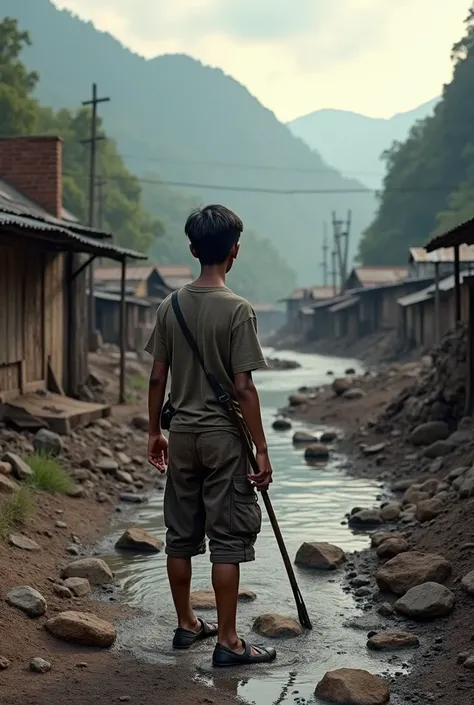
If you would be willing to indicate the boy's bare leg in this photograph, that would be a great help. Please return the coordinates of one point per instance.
(225, 581)
(179, 575)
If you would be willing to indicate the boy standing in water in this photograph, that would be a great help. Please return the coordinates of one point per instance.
(208, 491)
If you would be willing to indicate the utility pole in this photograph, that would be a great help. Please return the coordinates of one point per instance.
(334, 272)
(100, 208)
(94, 138)
(341, 230)
(324, 263)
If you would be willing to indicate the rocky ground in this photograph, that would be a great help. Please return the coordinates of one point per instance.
(415, 586)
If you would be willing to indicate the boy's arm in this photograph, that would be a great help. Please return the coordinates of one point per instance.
(157, 443)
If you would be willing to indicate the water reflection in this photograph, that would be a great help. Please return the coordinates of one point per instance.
(310, 503)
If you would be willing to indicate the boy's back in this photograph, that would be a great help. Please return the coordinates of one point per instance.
(224, 327)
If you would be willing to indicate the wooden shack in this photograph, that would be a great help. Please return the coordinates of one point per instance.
(138, 319)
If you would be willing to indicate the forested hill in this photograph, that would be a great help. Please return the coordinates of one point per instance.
(175, 118)
(429, 185)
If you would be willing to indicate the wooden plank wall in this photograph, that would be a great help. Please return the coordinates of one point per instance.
(54, 313)
(11, 318)
(34, 330)
(76, 336)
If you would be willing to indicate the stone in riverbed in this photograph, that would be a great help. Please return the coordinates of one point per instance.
(28, 600)
(426, 601)
(414, 494)
(429, 509)
(108, 466)
(391, 511)
(82, 628)
(39, 665)
(439, 449)
(316, 451)
(95, 570)
(139, 540)
(391, 641)
(281, 425)
(392, 547)
(303, 438)
(320, 556)
(412, 568)
(427, 433)
(21, 470)
(342, 385)
(373, 450)
(350, 686)
(366, 518)
(380, 536)
(124, 477)
(277, 626)
(26, 544)
(130, 498)
(298, 399)
(353, 394)
(467, 583)
(47, 442)
(79, 587)
(328, 437)
(206, 600)
(62, 591)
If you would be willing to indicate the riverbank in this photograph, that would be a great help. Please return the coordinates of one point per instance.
(404, 427)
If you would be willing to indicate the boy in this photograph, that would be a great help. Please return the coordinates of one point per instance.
(208, 491)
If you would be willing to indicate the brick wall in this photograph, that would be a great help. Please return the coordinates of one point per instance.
(33, 165)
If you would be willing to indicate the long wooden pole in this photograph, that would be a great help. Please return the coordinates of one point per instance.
(437, 305)
(457, 283)
(122, 331)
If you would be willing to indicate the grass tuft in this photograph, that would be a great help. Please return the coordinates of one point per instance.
(48, 475)
(15, 510)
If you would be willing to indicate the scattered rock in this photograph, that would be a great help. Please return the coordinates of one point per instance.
(340, 386)
(205, 599)
(414, 494)
(82, 628)
(26, 544)
(349, 686)
(28, 600)
(374, 450)
(125, 477)
(456, 474)
(316, 451)
(130, 498)
(62, 591)
(47, 443)
(5, 468)
(298, 399)
(320, 556)
(467, 486)
(281, 425)
(79, 587)
(391, 511)
(429, 509)
(392, 547)
(427, 433)
(354, 393)
(139, 540)
(350, 371)
(123, 458)
(386, 610)
(390, 641)
(426, 601)
(4, 663)
(141, 422)
(301, 438)
(438, 449)
(380, 536)
(467, 583)
(328, 437)
(8, 485)
(412, 568)
(276, 626)
(95, 570)
(60, 525)
(366, 518)
(108, 466)
(39, 665)
(21, 470)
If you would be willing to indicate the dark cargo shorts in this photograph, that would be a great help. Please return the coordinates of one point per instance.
(208, 494)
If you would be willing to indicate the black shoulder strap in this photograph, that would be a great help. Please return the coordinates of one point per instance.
(216, 386)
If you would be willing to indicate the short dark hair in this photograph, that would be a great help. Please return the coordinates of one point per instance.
(213, 231)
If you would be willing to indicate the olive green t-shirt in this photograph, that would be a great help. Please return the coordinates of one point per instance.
(224, 326)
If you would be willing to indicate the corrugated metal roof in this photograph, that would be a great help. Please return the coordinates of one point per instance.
(308, 292)
(446, 284)
(343, 305)
(136, 274)
(444, 254)
(60, 237)
(462, 234)
(370, 276)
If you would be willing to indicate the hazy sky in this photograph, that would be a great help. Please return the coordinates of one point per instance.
(376, 57)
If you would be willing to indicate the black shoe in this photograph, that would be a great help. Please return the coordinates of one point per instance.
(223, 656)
(185, 638)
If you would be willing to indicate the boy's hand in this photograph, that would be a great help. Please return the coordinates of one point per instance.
(264, 477)
(158, 452)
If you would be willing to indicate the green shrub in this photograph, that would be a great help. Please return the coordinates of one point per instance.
(15, 510)
(48, 475)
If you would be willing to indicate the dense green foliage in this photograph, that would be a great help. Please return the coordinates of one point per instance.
(194, 124)
(429, 186)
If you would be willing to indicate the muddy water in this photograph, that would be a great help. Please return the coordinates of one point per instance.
(310, 504)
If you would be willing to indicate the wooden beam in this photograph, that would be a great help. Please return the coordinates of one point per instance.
(470, 355)
(122, 329)
(83, 266)
(457, 283)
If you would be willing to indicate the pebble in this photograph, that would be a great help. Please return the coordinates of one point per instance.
(4, 663)
(60, 525)
(39, 665)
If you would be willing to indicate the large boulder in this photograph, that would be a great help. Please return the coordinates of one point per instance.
(95, 570)
(20, 468)
(426, 601)
(140, 541)
(429, 509)
(28, 600)
(206, 599)
(351, 686)
(82, 628)
(277, 626)
(47, 443)
(320, 556)
(412, 568)
(391, 641)
(427, 433)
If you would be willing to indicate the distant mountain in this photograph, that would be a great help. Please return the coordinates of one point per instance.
(186, 122)
(353, 143)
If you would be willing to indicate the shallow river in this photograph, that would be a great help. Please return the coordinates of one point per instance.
(310, 504)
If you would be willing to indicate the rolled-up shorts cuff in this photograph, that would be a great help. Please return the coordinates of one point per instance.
(185, 553)
(233, 557)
